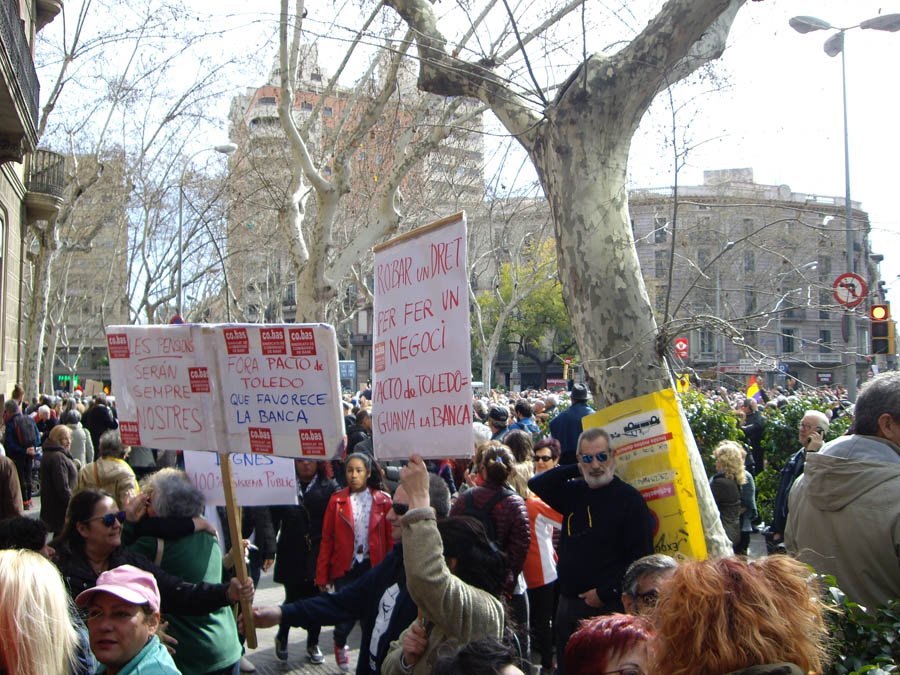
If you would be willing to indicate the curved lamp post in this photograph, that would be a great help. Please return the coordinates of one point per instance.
(834, 46)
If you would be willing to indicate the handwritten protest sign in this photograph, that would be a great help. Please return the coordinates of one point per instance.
(271, 389)
(652, 457)
(258, 480)
(422, 393)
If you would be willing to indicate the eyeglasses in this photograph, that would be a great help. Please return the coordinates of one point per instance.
(649, 598)
(109, 519)
(600, 457)
(627, 670)
(400, 509)
(543, 458)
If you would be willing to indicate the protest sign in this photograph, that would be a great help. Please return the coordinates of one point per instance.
(272, 389)
(652, 457)
(259, 480)
(422, 393)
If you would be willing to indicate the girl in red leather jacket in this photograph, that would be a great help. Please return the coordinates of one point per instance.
(356, 535)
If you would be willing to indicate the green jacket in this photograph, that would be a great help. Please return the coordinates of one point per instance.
(210, 641)
(153, 659)
(459, 613)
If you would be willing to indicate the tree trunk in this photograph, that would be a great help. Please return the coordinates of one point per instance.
(48, 246)
(487, 368)
(584, 178)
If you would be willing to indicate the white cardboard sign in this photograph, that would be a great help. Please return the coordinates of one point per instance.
(261, 388)
(259, 480)
(422, 393)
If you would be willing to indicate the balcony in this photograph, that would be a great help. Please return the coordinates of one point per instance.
(45, 184)
(19, 93)
(46, 12)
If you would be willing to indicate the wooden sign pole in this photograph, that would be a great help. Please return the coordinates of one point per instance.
(237, 544)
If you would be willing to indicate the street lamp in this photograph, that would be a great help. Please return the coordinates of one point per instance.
(225, 149)
(834, 46)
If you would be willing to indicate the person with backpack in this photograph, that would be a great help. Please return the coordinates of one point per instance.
(505, 518)
(20, 439)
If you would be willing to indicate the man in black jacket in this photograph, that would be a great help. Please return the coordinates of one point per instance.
(378, 599)
(98, 419)
(606, 527)
(753, 427)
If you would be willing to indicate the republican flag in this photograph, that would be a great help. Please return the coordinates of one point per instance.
(753, 390)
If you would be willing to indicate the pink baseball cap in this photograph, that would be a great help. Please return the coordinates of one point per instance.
(127, 582)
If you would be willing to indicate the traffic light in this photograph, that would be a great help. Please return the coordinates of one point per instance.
(882, 329)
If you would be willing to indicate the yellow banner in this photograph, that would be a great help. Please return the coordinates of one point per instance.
(683, 383)
(651, 456)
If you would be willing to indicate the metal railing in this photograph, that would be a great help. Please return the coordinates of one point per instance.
(47, 173)
(12, 32)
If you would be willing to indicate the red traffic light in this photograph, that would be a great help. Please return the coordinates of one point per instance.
(880, 313)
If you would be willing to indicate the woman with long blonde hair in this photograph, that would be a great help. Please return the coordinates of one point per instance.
(36, 633)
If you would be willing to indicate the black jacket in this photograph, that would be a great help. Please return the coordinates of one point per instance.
(96, 420)
(604, 531)
(790, 472)
(178, 596)
(58, 474)
(378, 599)
(301, 533)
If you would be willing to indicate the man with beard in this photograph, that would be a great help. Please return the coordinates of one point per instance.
(606, 526)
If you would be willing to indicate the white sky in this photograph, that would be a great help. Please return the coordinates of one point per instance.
(781, 114)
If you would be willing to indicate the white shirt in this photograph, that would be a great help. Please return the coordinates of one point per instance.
(361, 502)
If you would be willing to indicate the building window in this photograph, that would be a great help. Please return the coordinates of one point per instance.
(267, 100)
(327, 111)
(749, 300)
(306, 105)
(824, 341)
(316, 77)
(707, 342)
(326, 170)
(361, 156)
(787, 340)
(703, 257)
(380, 158)
(290, 294)
(661, 264)
(749, 261)
(825, 296)
(659, 232)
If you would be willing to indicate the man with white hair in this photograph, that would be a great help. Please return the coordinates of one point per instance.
(811, 434)
(606, 526)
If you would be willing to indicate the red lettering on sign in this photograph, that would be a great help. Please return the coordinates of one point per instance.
(261, 440)
(236, 341)
(303, 342)
(272, 340)
(379, 357)
(312, 442)
(118, 346)
(199, 380)
(130, 433)
(658, 492)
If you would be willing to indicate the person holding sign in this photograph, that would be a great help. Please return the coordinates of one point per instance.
(356, 536)
(91, 543)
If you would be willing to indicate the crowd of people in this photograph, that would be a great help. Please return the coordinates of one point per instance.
(525, 554)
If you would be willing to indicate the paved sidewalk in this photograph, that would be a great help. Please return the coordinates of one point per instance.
(270, 593)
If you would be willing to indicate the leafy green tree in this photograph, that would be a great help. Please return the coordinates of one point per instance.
(711, 422)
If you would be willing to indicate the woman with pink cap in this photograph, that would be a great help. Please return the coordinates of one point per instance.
(122, 621)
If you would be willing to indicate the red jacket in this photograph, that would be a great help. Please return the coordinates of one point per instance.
(336, 551)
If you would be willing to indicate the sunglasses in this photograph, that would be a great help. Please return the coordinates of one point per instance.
(109, 519)
(543, 458)
(400, 509)
(600, 457)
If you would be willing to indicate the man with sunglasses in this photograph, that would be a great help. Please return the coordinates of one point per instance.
(378, 599)
(606, 526)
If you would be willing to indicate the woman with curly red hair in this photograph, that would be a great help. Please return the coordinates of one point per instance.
(724, 616)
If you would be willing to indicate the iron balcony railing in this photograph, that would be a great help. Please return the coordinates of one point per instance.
(47, 174)
(12, 32)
